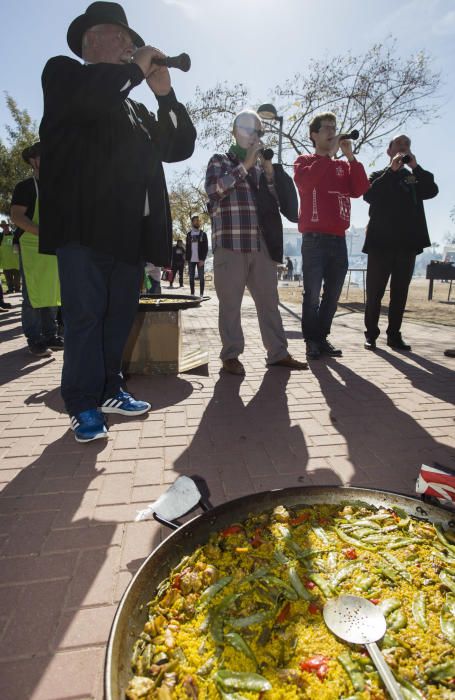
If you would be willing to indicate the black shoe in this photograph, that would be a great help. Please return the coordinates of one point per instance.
(39, 350)
(396, 342)
(312, 350)
(369, 344)
(55, 343)
(326, 348)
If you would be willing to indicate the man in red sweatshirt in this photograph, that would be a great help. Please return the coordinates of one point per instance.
(325, 186)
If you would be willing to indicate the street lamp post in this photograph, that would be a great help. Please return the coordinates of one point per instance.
(268, 112)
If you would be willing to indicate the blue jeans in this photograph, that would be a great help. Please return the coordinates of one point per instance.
(324, 264)
(99, 301)
(38, 325)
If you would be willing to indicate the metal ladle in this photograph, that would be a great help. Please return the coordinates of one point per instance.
(356, 620)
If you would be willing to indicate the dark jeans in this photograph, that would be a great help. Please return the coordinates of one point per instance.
(99, 301)
(38, 325)
(324, 264)
(179, 269)
(399, 267)
(13, 280)
(192, 273)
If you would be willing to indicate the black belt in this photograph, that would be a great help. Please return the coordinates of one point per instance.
(322, 235)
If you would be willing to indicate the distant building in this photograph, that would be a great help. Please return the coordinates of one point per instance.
(292, 245)
(448, 253)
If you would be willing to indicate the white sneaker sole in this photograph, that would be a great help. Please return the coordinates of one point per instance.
(122, 412)
(97, 437)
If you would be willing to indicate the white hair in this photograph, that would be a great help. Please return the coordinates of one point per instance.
(248, 115)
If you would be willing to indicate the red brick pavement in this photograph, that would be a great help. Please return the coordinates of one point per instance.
(68, 540)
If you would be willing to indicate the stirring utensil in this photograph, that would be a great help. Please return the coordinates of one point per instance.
(356, 620)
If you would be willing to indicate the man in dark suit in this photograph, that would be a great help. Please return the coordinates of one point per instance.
(396, 232)
(103, 201)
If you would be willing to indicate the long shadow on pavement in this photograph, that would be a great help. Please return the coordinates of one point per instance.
(386, 446)
(59, 573)
(19, 363)
(425, 375)
(242, 448)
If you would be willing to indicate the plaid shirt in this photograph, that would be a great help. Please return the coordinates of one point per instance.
(232, 205)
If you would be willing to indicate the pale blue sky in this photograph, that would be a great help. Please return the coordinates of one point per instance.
(260, 43)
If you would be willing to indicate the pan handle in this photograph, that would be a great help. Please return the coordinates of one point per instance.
(171, 524)
(180, 505)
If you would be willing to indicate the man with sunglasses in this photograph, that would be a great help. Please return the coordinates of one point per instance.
(247, 242)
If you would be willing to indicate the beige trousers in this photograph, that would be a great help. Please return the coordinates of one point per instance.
(233, 271)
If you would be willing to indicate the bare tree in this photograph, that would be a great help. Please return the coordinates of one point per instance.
(377, 92)
(187, 197)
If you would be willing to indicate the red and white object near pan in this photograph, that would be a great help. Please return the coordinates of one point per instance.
(437, 485)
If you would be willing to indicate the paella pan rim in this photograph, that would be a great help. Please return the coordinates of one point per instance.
(196, 530)
(174, 302)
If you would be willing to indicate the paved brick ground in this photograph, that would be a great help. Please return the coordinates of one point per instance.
(68, 540)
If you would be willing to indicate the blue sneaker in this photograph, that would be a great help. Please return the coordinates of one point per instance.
(88, 425)
(125, 405)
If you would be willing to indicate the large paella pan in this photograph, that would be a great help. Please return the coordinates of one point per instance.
(229, 606)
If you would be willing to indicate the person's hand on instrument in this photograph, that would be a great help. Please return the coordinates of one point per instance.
(346, 147)
(267, 167)
(397, 162)
(158, 77)
(252, 153)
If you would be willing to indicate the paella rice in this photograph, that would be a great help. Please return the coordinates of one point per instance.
(241, 617)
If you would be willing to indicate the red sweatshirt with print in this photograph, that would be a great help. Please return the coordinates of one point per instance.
(325, 187)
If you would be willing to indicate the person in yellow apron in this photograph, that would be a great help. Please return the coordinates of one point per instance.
(9, 260)
(40, 280)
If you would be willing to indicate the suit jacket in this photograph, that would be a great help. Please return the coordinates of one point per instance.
(101, 155)
(397, 216)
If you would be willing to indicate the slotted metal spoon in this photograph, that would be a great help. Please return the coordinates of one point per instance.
(356, 620)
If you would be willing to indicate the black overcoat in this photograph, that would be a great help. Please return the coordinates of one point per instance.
(101, 152)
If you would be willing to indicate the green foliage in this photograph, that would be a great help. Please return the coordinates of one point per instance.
(22, 132)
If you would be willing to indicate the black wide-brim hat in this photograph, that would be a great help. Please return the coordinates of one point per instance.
(98, 13)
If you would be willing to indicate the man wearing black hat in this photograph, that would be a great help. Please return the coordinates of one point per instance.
(104, 204)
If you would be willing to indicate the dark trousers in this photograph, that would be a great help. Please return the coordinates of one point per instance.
(99, 301)
(192, 273)
(39, 325)
(13, 280)
(178, 269)
(324, 265)
(399, 266)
